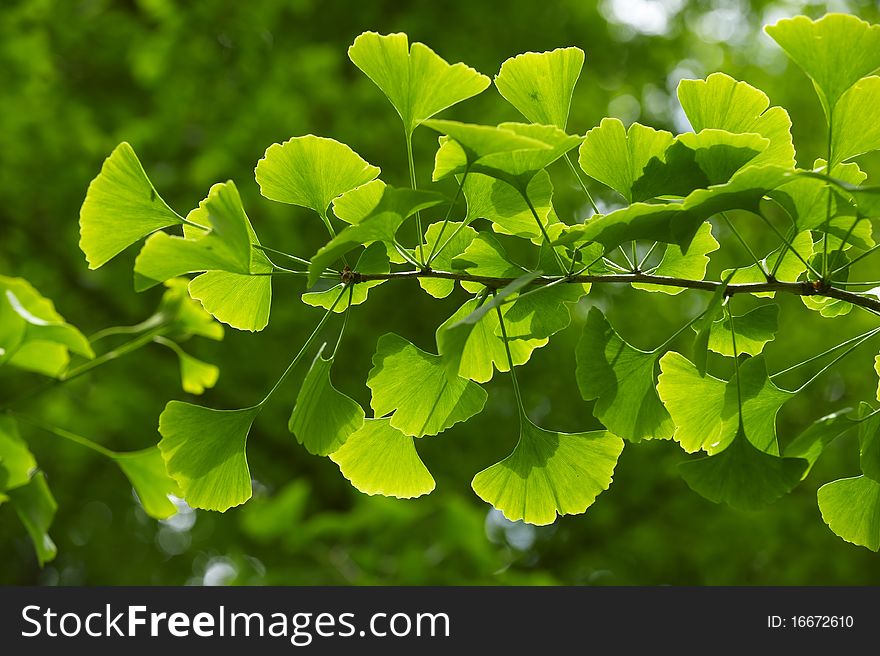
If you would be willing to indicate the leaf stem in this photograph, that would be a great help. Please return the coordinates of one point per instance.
(745, 245)
(413, 184)
(581, 182)
(822, 354)
(543, 230)
(516, 390)
(736, 367)
(854, 260)
(839, 358)
(787, 245)
(434, 252)
(66, 434)
(302, 351)
(344, 321)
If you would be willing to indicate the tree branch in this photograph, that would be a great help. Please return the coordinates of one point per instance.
(804, 288)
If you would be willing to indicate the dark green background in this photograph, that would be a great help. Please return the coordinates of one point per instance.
(200, 89)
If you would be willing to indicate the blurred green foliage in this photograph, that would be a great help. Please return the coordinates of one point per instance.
(201, 89)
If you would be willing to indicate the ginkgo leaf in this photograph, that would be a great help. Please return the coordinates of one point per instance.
(697, 161)
(145, 470)
(836, 51)
(242, 301)
(33, 335)
(226, 246)
(517, 167)
(851, 508)
(858, 231)
(463, 144)
(35, 507)
(121, 207)
(498, 202)
(380, 224)
(323, 417)
(540, 85)
(805, 198)
(705, 410)
(853, 128)
(454, 239)
(425, 396)
(742, 476)
(469, 345)
(810, 444)
(678, 223)
(185, 315)
(720, 102)
(825, 306)
(690, 264)
(195, 375)
(550, 474)
(311, 171)
(417, 81)
(542, 314)
(869, 442)
(621, 380)
(204, 451)
(379, 459)
(356, 204)
(703, 326)
(17, 463)
(617, 157)
(485, 256)
(754, 330)
(374, 259)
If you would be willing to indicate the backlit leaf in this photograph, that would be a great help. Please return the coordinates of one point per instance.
(204, 451)
(754, 330)
(621, 380)
(810, 444)
(17, 463)
(550, 474)
(851, 508)
(436, 237)
(417, 81)
(323, 417)
(424, 395)
(869, 442)
(854, 130)
(311, 171)
(498, 202)
(691, 264)
(35, 507)
(121, 207)
(145, 469)
(379, 459)
(374, 259)
(540, 85)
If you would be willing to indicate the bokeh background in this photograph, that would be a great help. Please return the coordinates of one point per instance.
(200, 89)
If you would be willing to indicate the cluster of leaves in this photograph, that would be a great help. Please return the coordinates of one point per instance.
(740, 158)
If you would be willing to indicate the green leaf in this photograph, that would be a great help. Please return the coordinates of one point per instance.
(697, 161)
(805, 198)
(443, 259)
(810, 444)
(145, 470)
(417, 81)
(374, 259)
(185, 315)
(742, 476)
(720, 102)
(469, 345)
(690, 264)
(549, 474)
(204, 451)
(121, 207)
(851, 508)
(498, 202)
(311, 171)
(379, 459)
(621, 380)
(424, 395)
(323, 417)
(242, 301)
(33, 335)
(617, 157)
(825, 306)
(678, 223)
(835, 51)
(869, 442)
(485, 256)
(754, 330)
(542, 314)
(854, 128)
(705, 410)
(858, 231)
(356, 204)
(380, 224)
(226, 246)
(17, 463)
(516, 167)
(35, 507)
(195, 375)
(465, 143)
(540, 85)
(703, 326)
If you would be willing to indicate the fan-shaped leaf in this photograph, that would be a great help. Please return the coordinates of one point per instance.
(145, 470)
(851, 508)
(35, 507)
